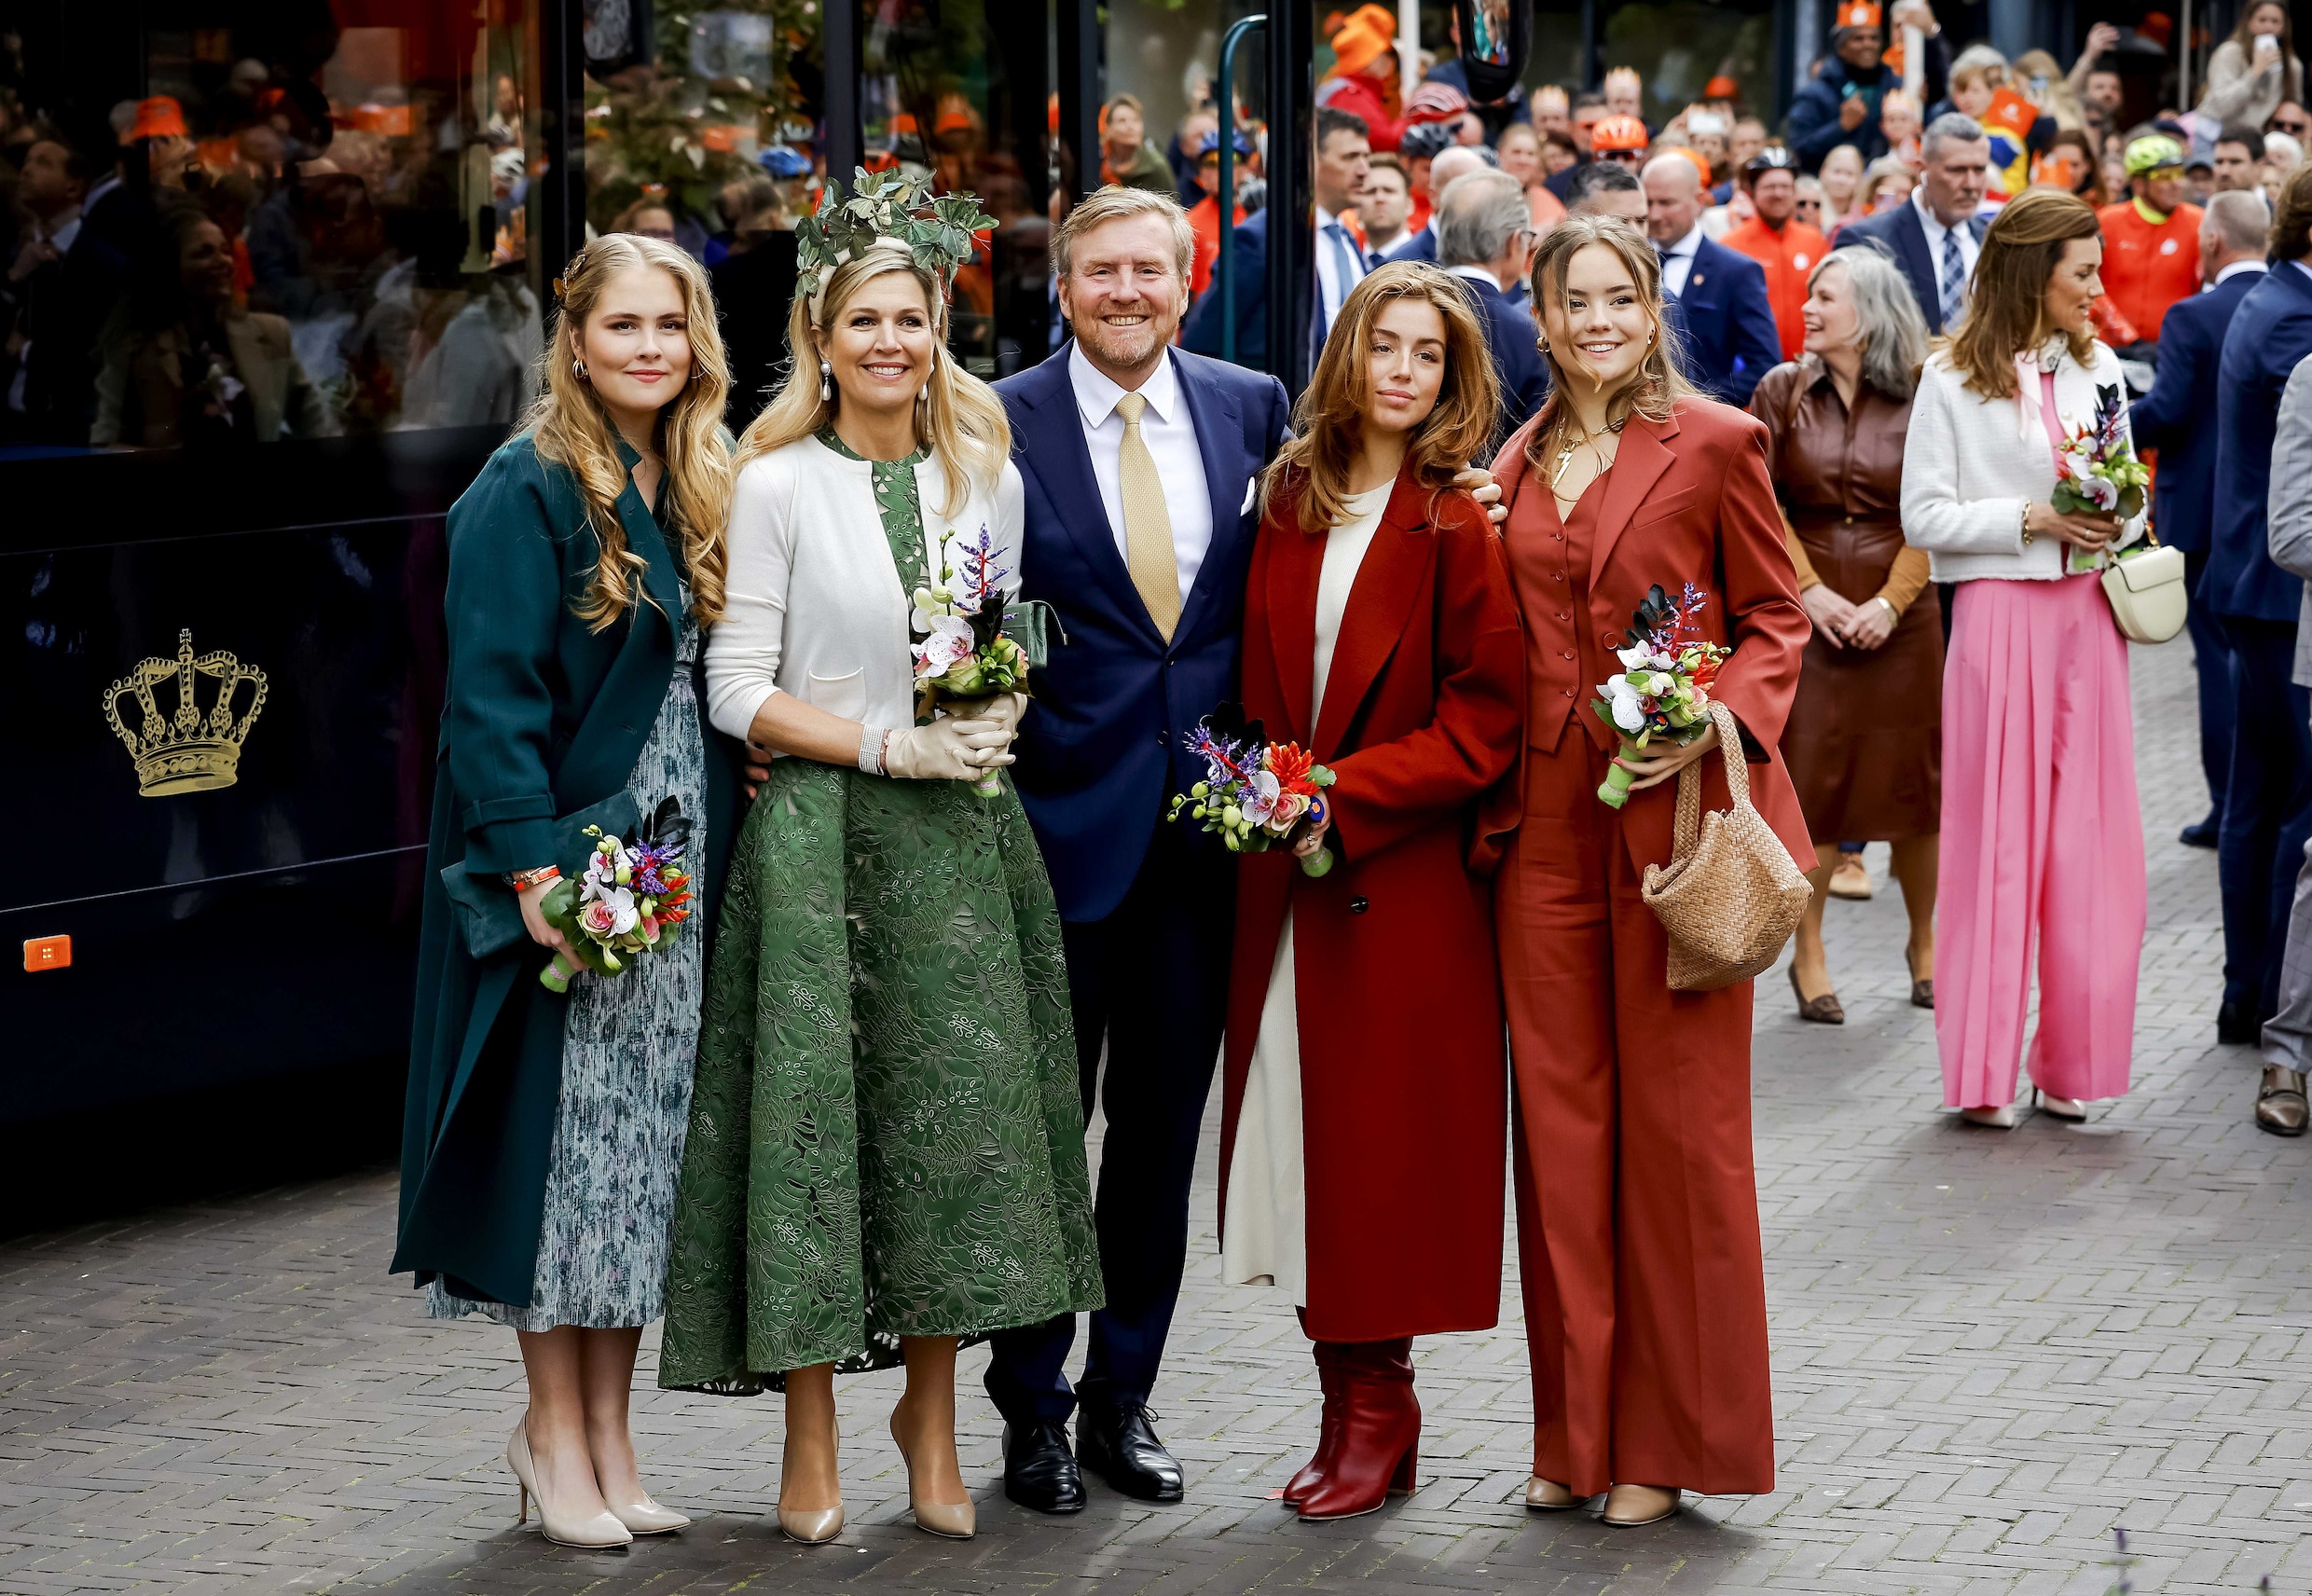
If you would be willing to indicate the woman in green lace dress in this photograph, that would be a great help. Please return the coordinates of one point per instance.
(886, 1139)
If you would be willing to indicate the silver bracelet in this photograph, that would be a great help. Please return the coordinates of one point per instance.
(872, 740)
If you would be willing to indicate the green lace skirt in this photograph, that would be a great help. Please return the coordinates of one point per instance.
(886, 1135)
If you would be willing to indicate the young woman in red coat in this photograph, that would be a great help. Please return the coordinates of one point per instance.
(1364, 1091)
(1637, 1208)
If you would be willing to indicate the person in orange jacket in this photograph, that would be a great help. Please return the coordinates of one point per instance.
(1364, 73)
(2150, 242)
(1204, 217)
(1778, 240)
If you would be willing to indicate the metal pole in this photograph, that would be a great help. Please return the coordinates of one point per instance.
(2183, 61)
(1291, 305)
(838, 43)
(1225, 197)
(1081, 91)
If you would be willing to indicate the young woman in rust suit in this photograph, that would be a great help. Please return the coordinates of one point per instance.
(1637, 1210)
(1365, 1097)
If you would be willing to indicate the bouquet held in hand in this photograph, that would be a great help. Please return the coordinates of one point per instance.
(965, 657)
(2097, 472)
(1256, 793)
(629, 901)
(1663, 688)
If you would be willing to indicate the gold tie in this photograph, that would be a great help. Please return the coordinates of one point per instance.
(1148, 524)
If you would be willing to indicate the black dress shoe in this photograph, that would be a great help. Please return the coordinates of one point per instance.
(2234, 1028)
(1117, 1444)
(2201, 834)
(1038, 1470)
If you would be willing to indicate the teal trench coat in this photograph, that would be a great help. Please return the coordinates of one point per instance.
(544, 722)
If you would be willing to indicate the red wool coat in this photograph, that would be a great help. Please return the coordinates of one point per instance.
(1403, 1073)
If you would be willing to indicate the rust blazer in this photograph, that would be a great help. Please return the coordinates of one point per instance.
(1688, 500)
(1404, 1078)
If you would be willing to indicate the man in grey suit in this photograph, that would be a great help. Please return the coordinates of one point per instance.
(2281, 1106)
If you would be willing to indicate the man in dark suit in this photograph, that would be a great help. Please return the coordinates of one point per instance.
(1936, 238)
(1714, 299)
(1484, 238)
(2172, 418)
(1139, 464)
(1450, 165)
(59, 291)
(2267, 796)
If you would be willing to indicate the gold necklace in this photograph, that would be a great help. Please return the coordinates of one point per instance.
(1565, 455)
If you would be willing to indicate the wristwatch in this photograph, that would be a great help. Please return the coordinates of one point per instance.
(523, 880)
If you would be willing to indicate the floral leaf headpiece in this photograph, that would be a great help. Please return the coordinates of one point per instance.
(885, 208)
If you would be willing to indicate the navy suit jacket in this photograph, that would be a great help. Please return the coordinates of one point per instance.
(1100, 752)
(2173, 418)
(1418, 245)
(1725, 324)
(2270, 332)
(1902, 237)
(1517, 356)
(1248, 245)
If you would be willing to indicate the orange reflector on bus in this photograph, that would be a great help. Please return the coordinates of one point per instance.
(48, 953)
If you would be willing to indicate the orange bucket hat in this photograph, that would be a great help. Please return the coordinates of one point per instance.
(1359, 39)
(159, 117)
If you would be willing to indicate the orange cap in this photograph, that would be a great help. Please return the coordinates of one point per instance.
(1619, 133)
(1721, 88)
(1694, 155)
(1360, 40)
(1858, 14)
(159, 117)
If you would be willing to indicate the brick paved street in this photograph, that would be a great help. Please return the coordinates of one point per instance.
(1989, 1350)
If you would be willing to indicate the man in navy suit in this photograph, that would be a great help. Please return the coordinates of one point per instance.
(1342, 157)
(1451, 165)
(1145, 645)
(1713, 298)
(1936, 238)
(2267, 797)
(1484, 238)
(2172, 418)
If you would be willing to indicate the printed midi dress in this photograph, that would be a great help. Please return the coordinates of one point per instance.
(630, 1044)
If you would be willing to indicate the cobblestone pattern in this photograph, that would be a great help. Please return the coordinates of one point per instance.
(1989, 1349)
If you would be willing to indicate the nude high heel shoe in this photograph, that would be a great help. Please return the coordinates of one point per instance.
(1626, 1507)
(1999, 1117)
(644, 1517)
(596, 1531)
(812, 1526)
(954, 1520)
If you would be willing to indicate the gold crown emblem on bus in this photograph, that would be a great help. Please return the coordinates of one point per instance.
(193, 743)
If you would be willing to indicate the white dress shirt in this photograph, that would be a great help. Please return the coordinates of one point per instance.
(1170, 435)
(1968, 246)
(1678, 262)
(2236, 269)
(1337, 271)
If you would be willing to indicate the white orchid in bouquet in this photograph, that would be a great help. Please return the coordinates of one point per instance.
(964, 656)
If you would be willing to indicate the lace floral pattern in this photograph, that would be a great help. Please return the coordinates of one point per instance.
(885, 1138)
(628, 1047)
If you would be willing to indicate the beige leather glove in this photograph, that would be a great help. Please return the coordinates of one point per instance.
(1000, 713)
(936, 752)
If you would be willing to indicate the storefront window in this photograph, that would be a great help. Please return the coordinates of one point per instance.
(259, 224)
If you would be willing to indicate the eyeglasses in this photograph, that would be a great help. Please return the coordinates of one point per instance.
(2293, 126)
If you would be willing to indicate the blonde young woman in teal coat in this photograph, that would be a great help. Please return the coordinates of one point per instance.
(544, 1133)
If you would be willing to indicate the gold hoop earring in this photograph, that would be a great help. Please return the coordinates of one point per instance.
(578, 367)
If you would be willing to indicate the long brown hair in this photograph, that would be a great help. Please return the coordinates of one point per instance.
(1658, 383)
(2291, 68)
(2007, 307)
(1330, 418)
(568, 426)
(961, 419)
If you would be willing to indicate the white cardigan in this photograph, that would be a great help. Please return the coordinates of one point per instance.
(814, 604)
(1969, 463)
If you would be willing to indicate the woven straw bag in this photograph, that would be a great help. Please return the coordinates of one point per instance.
(1731, 894)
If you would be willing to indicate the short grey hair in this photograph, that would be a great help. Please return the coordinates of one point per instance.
(1955, 126)
(1113, 203)
(1887, 322)
(2240, 220)
(1476, 216)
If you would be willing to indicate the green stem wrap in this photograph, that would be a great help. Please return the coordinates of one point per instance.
(1613, 792)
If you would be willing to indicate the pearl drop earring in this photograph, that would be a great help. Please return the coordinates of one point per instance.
(826, 389)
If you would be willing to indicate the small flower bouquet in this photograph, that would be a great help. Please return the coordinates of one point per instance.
(629, 901)
(1256, 793)
(964, 655)
(2097, 472)
(1664, 689)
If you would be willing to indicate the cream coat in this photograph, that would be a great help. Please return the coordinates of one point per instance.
(814, 603)
(1969, 463)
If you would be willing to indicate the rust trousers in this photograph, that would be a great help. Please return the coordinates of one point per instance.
(1636, 1201)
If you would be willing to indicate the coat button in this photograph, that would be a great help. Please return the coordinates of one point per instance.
(1565, 654)
(1565, 614)
(1359, 905)
(1569, 693)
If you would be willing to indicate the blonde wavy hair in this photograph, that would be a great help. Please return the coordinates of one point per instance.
(569, 427)
(1330, 421)
(960, 418)
(1658, 383)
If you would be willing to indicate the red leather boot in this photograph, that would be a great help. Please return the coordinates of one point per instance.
(1312, 1473)
(1378, 1440)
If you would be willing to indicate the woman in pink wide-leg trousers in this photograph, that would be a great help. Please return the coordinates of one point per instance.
(2043, 837)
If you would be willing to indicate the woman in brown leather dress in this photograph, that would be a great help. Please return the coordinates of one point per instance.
(1863, 742)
